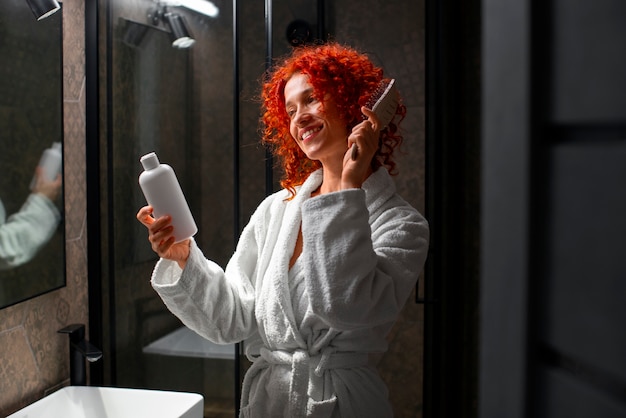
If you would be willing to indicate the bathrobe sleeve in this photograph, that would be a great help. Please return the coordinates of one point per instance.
(25, 232)
(361, 266)
(217, 304)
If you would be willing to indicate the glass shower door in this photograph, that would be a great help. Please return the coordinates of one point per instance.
(177, 103)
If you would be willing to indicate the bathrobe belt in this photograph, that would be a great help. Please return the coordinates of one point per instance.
(307, 373)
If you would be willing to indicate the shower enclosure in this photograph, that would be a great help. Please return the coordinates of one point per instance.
(198, 109)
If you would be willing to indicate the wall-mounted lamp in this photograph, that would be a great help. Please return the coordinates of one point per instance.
(180, 34)
(181, 37)
(43, 8)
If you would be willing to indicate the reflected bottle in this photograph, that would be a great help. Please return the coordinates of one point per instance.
(51, 162)
(162, 191)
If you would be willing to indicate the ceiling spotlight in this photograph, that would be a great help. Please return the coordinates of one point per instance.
(180, 34)
(43, 8)
(181, 37)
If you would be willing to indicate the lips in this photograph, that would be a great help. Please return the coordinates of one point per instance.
(309, 132)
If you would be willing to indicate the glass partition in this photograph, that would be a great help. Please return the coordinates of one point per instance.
(179, 103)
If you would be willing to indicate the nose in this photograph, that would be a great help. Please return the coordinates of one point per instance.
(301, 117)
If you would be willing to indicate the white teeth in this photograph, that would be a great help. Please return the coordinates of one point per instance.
(307, 134)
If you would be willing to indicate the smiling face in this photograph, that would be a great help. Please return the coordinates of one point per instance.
(314, 123)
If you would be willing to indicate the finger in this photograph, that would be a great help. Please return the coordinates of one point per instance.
(365, 128)
(371, 117)
(158, 238)
(144, 215)
(160, 224)
(160, 234)
(164, 246)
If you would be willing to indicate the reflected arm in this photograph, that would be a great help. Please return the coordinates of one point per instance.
(26, 231)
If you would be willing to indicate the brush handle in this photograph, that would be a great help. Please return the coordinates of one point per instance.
(354, 152)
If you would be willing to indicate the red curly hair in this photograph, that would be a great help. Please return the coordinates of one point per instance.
(350, 78)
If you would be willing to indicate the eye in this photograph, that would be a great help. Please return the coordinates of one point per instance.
(291, 112)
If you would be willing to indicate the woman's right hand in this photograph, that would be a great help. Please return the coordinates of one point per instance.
(161, 237)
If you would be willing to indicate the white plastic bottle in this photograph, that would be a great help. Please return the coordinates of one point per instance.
(162, 191)
(51, 162)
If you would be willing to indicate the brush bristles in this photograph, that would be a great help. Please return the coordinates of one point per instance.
(384, 101)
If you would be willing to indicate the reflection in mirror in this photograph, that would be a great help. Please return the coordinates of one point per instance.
(32, 239)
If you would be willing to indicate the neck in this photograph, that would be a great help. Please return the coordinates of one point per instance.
(332, 180)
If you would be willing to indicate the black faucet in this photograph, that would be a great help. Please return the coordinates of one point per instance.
(80, 349)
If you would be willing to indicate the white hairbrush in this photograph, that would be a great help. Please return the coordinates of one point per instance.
(384, 103)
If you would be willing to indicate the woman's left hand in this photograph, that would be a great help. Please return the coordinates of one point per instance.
(48, 188)
(357, 163)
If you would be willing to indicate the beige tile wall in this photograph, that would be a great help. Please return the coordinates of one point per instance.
(34, 359)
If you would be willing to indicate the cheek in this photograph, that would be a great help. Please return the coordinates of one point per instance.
(339, 128)
(293, 130)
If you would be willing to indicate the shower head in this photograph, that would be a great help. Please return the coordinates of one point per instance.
(134, 32)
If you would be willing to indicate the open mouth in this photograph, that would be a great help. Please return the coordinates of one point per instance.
(310, 132)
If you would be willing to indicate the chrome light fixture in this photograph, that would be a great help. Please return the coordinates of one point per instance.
(181, 37)
(180, 34)
(43, 8)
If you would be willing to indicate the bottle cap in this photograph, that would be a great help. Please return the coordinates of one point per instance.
(149, 161)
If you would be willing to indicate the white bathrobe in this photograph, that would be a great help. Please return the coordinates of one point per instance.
(363, 251)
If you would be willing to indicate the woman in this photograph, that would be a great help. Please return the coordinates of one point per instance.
(325, 265)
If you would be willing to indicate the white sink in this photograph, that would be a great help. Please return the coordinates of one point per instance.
(103, 402)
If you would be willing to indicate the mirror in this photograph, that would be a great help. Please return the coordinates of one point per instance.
(32, 238)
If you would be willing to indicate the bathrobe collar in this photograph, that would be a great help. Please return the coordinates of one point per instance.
(378, 188)
(276, 267)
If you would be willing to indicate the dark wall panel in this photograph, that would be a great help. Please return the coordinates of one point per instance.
(566, 397)
(585, 286)
(589, 60)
